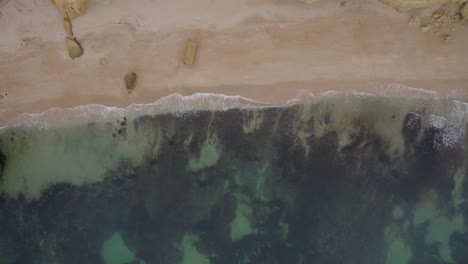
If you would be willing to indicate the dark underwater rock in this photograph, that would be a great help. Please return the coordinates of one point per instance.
(2, 164)
(459, 247)
(412, 126)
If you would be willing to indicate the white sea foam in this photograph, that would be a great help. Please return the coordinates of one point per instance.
(174, 103)
(399, 90)
(450, 134)
(178, 104)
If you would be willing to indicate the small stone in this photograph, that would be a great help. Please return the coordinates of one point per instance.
(426, 28)
(439, 18)
(68, 26)
(456, 18)
(130, 82)
(190, 52)
(414, 21)
(74, 48)
(464, 11)
(445, 38)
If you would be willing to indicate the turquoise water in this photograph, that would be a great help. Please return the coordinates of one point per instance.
(336, 179)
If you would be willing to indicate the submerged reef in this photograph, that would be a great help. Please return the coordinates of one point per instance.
(340, 180)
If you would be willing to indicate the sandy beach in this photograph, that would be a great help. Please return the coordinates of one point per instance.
(266, 50)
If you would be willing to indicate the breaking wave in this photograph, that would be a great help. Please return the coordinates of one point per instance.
(174, 103)
(179, 105)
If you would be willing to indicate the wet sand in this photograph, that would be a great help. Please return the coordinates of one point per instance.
(269, 51)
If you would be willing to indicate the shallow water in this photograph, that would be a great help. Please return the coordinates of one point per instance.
(334, 179)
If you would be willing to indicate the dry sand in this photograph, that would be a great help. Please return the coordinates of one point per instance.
(267, 50)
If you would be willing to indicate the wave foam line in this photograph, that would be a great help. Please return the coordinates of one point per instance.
(179, 104)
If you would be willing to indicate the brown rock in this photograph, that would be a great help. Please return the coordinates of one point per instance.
(440, 18)
(426, 28)
(71, 8)
(74, 48)
(445, 38)
(190, 52)
(408, 5)
(130, 82)
(68, 26)
(414, 21)
(464, 11)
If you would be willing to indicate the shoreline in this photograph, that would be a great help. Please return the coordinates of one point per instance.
(268, 95)
(269, 52)
(207, 101)
(279, 94)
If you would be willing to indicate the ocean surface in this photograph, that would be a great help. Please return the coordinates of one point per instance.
(329, 179)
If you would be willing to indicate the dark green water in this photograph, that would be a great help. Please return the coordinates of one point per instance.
(340, 179)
